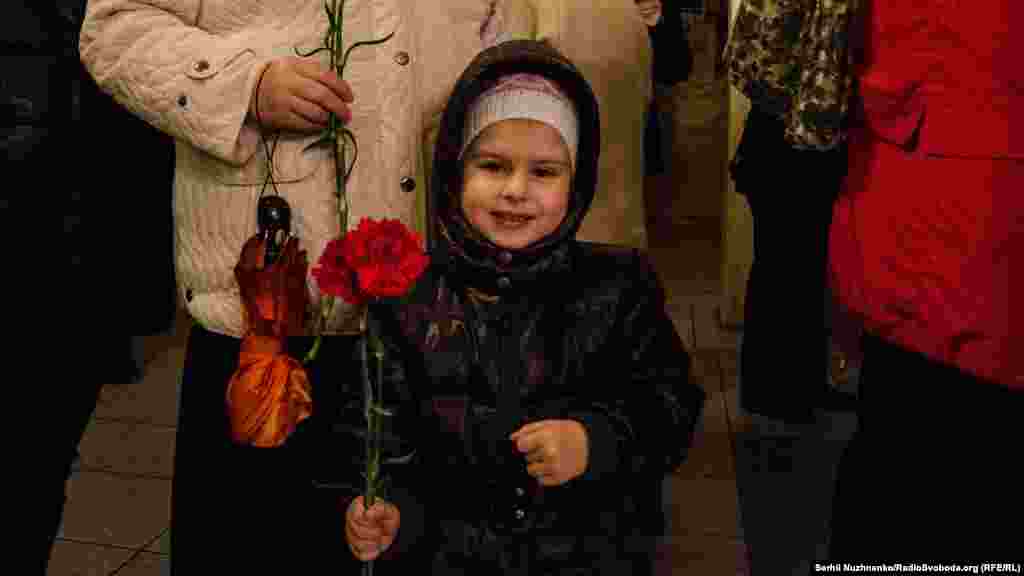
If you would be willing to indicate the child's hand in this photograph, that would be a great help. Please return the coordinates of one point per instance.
(556, 450)
(370, 532)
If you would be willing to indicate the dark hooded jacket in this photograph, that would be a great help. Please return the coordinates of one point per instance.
(490, 340)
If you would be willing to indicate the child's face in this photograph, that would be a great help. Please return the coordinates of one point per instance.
(515, 182)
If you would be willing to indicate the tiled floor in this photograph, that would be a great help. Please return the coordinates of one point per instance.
(117, 516)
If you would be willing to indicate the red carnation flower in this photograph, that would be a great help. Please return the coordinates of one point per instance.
(379, 259)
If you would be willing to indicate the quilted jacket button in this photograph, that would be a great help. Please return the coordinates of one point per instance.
(183, 101)
(407, 184)
(201, 66)
(188, 295)
(504, 282)
(402, 58)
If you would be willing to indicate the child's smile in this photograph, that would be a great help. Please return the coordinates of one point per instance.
(510, 219)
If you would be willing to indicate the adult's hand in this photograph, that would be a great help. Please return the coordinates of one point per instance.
(298, 94)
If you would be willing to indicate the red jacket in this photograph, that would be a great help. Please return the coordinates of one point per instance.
(927, 242)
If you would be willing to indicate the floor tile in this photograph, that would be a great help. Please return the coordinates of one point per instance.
(686, 251)
(707, 371)
(728, 362)
(715, 418)
(163, 544)
(681, 314)
(676, 288)
(739, 420)
(703, 506)
(147, 564)
(128, 447)
(77, 559)
(104, 508)
(685, 266)
(709, 333)
(154, 400)
(703, 556)
(710, 454)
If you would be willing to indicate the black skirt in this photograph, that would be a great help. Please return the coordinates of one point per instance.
(244, 510)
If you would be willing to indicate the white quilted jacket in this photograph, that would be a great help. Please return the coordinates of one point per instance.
(189, 68)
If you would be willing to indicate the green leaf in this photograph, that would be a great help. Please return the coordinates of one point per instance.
(311, 355)
(310, 53)
(346, 133)
(344, 59)
(401, 459)
(327, 140)
(330, 14)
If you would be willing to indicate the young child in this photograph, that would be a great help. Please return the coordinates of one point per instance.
(542, 385)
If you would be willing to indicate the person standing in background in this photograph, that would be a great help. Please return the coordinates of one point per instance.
(790, 187)
(224, 80)
(56, 109)
(38, 129)
(926, 248)
(609, 41)
(672, 63)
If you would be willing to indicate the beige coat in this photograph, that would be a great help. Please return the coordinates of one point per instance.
(609, 42)
(189, 68)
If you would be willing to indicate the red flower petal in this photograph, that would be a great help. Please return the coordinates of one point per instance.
(379, 259)
(333, 276)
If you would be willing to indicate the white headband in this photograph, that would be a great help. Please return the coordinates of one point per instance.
(523, 96)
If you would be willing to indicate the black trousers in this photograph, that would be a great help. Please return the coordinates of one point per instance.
(784, 360)
(244, 510)
(85, 366)
(931, 474)
(60, 446)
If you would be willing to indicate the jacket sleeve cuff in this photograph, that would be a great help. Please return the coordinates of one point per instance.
(213, 112)
(186, 82)
(603, 444)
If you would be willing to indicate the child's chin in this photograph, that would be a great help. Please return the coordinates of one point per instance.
(509, 242)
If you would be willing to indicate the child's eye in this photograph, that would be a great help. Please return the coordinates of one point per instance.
(545, 173)
(490, 166)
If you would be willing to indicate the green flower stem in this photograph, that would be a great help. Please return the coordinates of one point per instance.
(374, 421)
(335, 134)
(311, 355)
(375, 414)
(340, 181)
(339, 137)
(340, 173)
(326, 305)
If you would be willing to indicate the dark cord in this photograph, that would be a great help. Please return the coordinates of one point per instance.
(269, 151)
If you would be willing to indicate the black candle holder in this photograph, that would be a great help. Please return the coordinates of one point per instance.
(274, 223)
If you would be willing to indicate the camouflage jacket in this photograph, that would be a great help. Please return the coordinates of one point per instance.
(792, 58)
